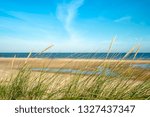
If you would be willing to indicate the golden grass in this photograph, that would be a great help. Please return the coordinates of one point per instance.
(21, 82)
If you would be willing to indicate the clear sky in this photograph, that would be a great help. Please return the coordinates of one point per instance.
(74, 25)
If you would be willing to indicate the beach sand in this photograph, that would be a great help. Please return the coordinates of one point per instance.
(9, 69)
(11, 65)
(62, 63)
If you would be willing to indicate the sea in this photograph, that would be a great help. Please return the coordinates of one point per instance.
(117, 56)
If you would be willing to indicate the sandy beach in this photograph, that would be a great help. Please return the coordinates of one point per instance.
(10, 68)
(11, 65)
(82, 64)
(62, 63)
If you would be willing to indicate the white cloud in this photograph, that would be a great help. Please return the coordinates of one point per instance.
(66, 13)
(123, 19)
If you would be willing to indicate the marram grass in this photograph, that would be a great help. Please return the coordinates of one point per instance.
(128, 84)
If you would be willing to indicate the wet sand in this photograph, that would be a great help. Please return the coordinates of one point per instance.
(62, 63)
(9, 68)
(11, 65)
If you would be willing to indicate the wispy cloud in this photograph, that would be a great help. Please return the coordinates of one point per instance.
(66, 12)
(36, 25)
(5, 14)
(123, 19)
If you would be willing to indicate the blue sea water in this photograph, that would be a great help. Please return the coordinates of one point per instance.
(99, 71)
(142, 56)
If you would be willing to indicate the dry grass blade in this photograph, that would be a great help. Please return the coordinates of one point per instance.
(138, 48)
(28, 57)
(110, 46)
(129, 52)
(46, 49)
(12, 63)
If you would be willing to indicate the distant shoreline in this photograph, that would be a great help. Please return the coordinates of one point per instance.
(12, 65)
(3, 59)
(97, 56)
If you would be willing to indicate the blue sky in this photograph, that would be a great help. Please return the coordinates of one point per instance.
(74, 25)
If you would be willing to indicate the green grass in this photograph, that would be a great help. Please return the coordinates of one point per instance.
(128, 84)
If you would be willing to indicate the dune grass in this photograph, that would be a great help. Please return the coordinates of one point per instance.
(128, 83)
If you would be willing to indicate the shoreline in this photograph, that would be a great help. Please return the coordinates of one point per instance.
(77, 60)
(12, 65)
(80, 64)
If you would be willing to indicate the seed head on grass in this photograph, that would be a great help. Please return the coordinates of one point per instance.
(126, 84)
